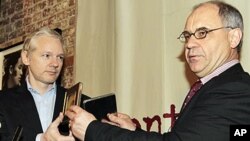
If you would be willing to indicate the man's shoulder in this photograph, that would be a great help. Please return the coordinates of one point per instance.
(234, 73)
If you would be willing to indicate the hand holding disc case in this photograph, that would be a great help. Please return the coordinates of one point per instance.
(72, 97)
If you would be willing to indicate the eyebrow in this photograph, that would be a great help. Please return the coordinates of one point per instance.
(200, 28)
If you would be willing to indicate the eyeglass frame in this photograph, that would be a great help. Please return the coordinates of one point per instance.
(206, 31)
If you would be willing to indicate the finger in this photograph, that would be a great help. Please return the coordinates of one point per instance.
(115, 114)
(75, 108)
(58, 120)
(122, 115)
(104, 120)
(118, 114)
(113, 118)
(70, 114)
(67, 138)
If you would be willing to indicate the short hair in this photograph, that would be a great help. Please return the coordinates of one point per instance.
(45, 31)
(230, 16)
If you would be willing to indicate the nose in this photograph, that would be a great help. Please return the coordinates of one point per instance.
(191, 43)
(21, 72)
(55, 62)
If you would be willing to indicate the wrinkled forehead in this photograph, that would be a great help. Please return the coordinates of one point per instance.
(204, 16)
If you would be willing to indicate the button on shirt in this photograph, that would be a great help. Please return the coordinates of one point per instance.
(44, 104)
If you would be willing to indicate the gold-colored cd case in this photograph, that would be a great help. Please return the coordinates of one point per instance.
(73, 96)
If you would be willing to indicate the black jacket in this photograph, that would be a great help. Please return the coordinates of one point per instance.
(221, 102)
(17, 107)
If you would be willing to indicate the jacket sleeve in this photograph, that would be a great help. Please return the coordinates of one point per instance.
(98, 131)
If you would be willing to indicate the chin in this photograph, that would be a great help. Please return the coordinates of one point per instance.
(199, 74)
(196, 71)
(50, 81)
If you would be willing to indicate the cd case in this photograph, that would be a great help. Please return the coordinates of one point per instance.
(100, 106)
(73, 96)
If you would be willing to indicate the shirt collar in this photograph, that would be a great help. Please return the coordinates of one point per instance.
(219, 70)
(53, 86)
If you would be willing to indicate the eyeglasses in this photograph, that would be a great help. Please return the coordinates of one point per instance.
(199, 33)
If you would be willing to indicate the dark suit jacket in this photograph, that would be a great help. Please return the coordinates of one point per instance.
(221, 102)
(17, 107)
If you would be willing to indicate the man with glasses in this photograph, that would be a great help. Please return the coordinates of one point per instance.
(212, 40)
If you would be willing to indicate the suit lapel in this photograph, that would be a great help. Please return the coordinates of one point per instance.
(29, 111)
(191, 103)
(60, 92)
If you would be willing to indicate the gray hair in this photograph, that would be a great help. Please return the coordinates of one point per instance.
(230, 17)
(45, 31)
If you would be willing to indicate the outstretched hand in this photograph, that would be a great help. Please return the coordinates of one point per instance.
(121, 120)
(79, 121)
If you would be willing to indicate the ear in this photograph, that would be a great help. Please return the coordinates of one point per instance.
(25, 57)
(235, 36)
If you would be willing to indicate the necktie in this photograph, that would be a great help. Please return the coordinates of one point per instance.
(194, 88)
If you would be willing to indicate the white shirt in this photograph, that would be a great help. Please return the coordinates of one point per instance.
(44, 104)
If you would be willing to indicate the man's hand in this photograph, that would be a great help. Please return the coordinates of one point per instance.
(79, 121)
(121, 120)
(52, 133)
